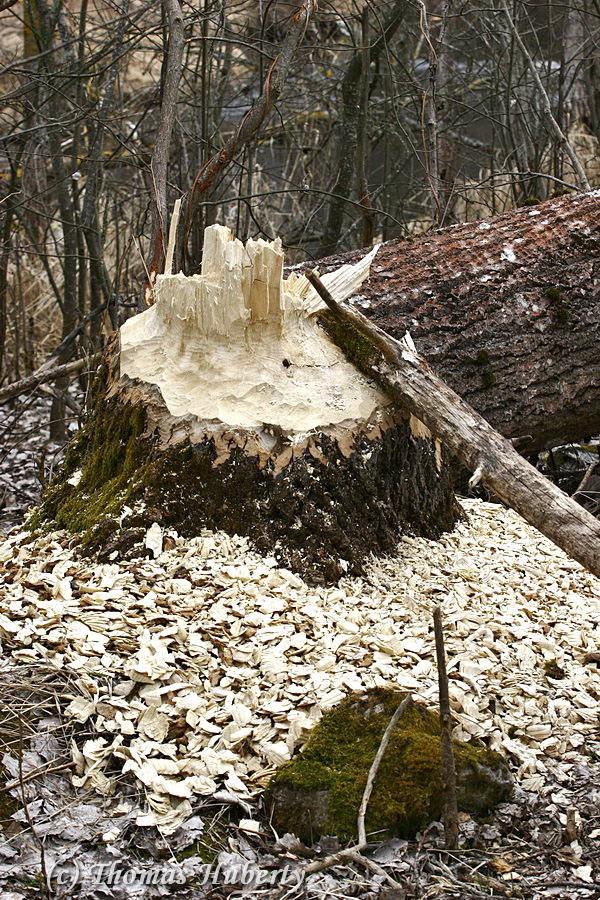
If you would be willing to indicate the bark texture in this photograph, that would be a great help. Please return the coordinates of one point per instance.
(226, 406)
(507, 311)
(414, 386)
(321, 513)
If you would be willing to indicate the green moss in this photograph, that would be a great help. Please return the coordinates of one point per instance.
(407, 793)
(553, 670)
(483, 359)
(559, 311)
(34, 881)
(553, 294)
(355, 345)
(214, 840)
(530, 201)
(112, 457)
(561, 315)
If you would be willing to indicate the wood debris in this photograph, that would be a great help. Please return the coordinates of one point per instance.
(204, 669)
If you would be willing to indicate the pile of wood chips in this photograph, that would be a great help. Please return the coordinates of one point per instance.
(203, 669)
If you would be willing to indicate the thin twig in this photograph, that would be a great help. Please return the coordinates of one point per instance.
(362, 810)
(447, 748)
(35, 773)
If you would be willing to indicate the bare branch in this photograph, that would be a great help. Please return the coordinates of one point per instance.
(546, 107)
(160, 156)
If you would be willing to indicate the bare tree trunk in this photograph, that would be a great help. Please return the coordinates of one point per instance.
(446, 139)
(430, 121)
(363, 142)
(576, 53)
(90, 220)
(260, 109)
(553, 125)
(45, 17)
(348, 130)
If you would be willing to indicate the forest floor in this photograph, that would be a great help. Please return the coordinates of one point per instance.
(145, 702)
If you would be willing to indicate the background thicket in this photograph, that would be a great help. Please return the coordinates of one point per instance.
(394, 116)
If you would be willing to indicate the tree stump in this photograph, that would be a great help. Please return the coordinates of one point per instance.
(226, 405)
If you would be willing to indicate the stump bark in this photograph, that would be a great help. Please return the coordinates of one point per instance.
(226, 406)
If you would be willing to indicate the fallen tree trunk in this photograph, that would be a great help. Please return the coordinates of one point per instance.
(412, 384)
(226, 406)
(507, 312)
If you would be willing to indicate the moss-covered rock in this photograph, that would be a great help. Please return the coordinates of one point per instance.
(320, 790)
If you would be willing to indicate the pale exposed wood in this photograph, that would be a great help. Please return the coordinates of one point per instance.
(172, 237)
(412, 383)
(214, 343)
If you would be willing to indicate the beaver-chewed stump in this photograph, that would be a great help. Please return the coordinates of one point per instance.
(226, 405)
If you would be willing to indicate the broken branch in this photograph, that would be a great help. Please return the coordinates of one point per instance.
(42, 377)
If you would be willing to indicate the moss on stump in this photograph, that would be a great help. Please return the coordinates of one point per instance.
(320, 790)
(321, 517)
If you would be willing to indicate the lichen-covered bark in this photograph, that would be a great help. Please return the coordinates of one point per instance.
(506, 311)
(322, 514)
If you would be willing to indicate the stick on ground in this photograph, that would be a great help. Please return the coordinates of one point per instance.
(362, 810)
(447, 749)
(353, 854)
